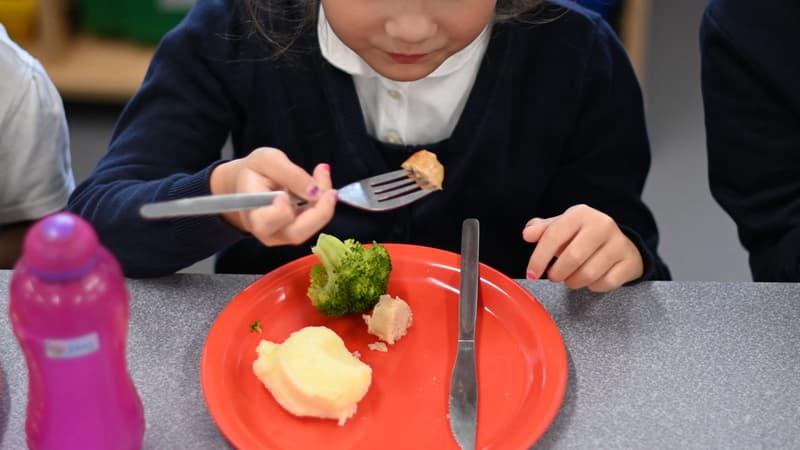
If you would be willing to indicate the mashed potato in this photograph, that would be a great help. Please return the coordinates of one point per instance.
(312, 374)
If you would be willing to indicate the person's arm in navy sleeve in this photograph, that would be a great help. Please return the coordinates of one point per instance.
(608, 158)
(165, 145)
(751, 93)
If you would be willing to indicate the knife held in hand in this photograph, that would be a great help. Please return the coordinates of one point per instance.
(464, 381)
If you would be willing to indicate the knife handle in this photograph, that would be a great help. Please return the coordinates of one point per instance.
(468, 294)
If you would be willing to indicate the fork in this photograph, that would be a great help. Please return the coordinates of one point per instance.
(382, 192)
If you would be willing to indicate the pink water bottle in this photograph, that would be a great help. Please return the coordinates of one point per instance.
(69, 311)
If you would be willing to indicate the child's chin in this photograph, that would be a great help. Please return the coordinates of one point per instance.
(405, 72)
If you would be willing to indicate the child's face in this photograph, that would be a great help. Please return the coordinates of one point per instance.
(406, 40)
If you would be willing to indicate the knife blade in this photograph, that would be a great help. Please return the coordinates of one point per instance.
(207, 204)
(463, 403)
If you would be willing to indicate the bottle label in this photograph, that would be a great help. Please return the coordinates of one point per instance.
(72, 348)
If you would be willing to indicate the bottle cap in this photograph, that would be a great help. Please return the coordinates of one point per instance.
(60, 247)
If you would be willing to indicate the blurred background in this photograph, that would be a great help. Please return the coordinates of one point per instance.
(97, 51)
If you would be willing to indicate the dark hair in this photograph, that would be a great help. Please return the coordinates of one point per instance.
(280, 23)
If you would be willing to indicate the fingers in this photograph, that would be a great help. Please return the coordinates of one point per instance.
(535, 228)
(276, 171)
(589, 249)
(322, 174)
(266, 221)
(311, 220)
(551, 240)
(587, 240)
(615, 263)
(284, 224)
(595, 269)
(618, 275)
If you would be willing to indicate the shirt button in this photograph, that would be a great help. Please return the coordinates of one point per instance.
(393, 137)
(394, 94)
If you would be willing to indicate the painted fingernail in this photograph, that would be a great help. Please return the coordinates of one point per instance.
(313, 191)
(531, 275)
(326, 167)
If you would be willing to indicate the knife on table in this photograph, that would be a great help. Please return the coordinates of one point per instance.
(464, 381)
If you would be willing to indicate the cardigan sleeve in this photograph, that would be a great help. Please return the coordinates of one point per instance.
(752, 102)
(165, 144)
(607, 157)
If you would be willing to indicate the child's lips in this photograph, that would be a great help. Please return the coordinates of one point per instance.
(404, 58)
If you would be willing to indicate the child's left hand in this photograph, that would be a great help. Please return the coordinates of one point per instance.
(590, 248)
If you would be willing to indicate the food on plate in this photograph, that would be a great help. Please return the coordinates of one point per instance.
(312, 374)
(390, 319)
(426, 169)
(378, 346)
(350, 278)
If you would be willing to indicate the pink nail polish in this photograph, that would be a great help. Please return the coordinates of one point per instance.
(326, 167)
(313, 191)
(531, 275)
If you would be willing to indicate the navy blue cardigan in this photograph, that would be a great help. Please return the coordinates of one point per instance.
(555, 118)
(751, 91)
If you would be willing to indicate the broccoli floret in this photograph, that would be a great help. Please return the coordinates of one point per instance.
(351, 277)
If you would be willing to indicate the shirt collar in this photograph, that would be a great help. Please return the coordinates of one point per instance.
(342, 57)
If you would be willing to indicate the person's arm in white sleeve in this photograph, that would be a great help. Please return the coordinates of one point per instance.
(35, 170)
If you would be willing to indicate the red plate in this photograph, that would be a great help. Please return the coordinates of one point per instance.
(522, 364)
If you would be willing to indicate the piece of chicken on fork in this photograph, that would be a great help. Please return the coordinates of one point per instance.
(426, 170)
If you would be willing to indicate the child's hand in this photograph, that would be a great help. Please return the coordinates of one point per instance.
(590, 248)
(281, 223)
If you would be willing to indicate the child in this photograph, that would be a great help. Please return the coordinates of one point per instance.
(36, 175)
(751, 92)
(533, 109)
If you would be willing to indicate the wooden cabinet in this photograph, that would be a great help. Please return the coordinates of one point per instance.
(85, 67)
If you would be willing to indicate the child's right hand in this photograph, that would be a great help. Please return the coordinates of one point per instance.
(281, 223)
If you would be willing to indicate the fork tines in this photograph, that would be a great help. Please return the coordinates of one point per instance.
(394, 184)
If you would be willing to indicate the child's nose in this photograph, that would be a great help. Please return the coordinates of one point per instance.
(411, 27)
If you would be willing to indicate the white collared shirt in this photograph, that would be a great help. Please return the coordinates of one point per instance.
(417, 112)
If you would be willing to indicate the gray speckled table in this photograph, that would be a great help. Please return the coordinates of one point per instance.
(657, 365)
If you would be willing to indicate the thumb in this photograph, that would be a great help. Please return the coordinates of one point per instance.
(535, 228)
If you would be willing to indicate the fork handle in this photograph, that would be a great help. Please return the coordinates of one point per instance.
(211, 204)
